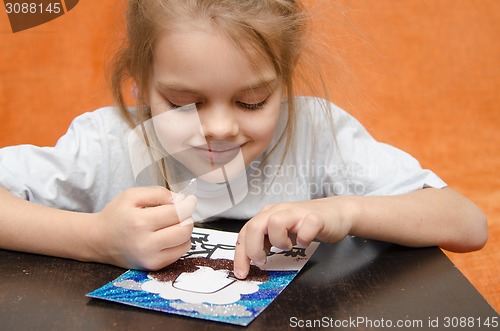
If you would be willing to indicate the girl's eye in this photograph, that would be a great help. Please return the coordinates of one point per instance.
(173, 106)
(252, 106)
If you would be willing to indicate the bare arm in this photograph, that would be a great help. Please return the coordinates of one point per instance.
(427, 217)
(139, 229)
(29, 227)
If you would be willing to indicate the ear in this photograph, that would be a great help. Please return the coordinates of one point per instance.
(134, 92)
(140, 96)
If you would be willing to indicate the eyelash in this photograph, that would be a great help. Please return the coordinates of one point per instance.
(252, 106)
(245, 106)
(173, 106)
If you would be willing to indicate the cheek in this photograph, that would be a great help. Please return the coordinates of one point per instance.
(262, 128)
(166, 135)
(261, 131)
(173, 129)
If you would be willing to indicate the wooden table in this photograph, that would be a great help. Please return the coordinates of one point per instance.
(354, 284)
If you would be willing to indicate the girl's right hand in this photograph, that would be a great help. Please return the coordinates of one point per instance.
(143, 229)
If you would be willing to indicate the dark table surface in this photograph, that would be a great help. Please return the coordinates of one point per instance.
(359, 283)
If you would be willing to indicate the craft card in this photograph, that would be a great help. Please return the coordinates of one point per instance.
(201, 284)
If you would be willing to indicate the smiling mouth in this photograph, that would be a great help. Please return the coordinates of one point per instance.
(218, 152)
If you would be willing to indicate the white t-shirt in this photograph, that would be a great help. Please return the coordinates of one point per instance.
(91, 164)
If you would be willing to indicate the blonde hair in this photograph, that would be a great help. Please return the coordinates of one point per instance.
(276, 30)
(272, 28)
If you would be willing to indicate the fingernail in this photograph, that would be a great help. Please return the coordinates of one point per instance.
(239, 274)
(187, 221)
(260, 263)
(177, 197)
(302, 245)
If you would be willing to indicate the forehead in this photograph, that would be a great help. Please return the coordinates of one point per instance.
(204, 52)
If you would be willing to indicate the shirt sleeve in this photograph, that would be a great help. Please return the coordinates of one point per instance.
(75, 174)
(357, 164)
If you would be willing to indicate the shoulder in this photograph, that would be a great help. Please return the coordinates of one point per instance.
(324, 123)
(320, 111)
(102, 126)
(77, 173)
(106, 119)
(323, 116)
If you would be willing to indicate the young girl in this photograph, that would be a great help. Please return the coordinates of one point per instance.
(214, 83)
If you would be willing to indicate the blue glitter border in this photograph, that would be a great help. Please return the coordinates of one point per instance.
(255, 303)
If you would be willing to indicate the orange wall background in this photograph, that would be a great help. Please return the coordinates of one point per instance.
(426, 76)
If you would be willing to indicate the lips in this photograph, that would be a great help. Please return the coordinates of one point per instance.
(217, 152)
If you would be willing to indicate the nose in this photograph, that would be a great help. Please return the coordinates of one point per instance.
(219, 122)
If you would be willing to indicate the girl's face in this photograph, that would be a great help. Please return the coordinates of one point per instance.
(235, 105)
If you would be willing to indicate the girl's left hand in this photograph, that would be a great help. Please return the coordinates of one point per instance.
(281, 224)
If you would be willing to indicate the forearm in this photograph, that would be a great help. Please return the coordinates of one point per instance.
(428, 217)
(29, 227)
(141, 229)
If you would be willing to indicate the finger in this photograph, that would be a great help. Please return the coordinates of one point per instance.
(267, 245)
(185, 207)
(163, 216)
(149, 196)
(255, 234)
(280, 225)
(171, 236)
(165, 257)
(241, 260)
(310, 228)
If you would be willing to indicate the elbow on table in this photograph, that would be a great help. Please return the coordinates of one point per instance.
(481, 236)
(473, 237)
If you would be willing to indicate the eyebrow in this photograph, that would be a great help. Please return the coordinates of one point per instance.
(176, 88)
(270, 84)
